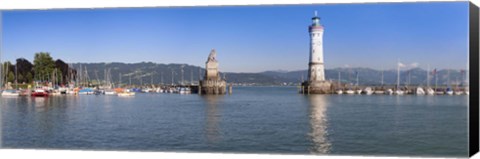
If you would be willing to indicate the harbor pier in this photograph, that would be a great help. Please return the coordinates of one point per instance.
(341, 88)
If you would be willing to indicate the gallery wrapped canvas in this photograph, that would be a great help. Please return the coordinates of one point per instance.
(355, 79)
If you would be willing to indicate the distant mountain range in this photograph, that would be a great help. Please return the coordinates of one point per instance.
(148, 72)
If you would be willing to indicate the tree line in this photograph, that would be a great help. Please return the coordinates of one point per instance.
(43, 69)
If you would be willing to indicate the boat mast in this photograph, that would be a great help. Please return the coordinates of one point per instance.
(87, 78)
(105, 76)
(409, 77)
(16, 74)
(96, 76)
(357, 78)
(119, 80)
(181, 70)
(448, 77)
(382, 78)
(339, 78)
(172, 77)
(161, 77)
(428, 76)
(398, 74)
(436, 80)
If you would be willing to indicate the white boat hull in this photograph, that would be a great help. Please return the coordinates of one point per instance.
(350, 92)
(126, 94)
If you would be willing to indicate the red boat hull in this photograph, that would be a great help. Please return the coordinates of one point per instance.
(38, 94)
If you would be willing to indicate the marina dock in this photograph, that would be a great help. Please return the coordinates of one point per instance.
(391, 90)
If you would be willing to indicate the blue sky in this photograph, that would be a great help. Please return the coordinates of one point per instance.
(247, 38)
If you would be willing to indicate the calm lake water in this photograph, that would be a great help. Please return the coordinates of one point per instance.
(251, 120)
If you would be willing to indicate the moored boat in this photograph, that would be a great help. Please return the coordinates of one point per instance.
(368, 91)
(389, 91)
(10, 93)
(439, 92)
(159, 90)
(56, 93)
(419, 91)
(126, 94)
(86, 91)
(358, 91)
(449, 91)
(458, 92)
(39, 92)
(184, 90)
(430, 91)
(110, 92)
(399, 92)
(349, 91)
(339, 91)
(379, 92)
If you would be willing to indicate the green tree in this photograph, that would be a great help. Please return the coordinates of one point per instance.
(11, 77)
(43, 64)
(20, 78)
(7, 66)
(29, 77)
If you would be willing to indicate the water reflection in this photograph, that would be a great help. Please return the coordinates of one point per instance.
(318, 123)
(40, 103)
(213, 117)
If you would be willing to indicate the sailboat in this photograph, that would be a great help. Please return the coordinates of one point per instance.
(449, 90)
(339, 90)
(358, 90)
(9, 92)
(398, 91)
(458, 91)
(380, 91)
(419, 91)
(389, 91)
(350, 91)
(368, 91)
(108, 84)
(429, 90)
(437, 92)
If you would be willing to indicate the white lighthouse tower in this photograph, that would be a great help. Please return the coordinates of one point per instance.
(315, 66)
(316, 71)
